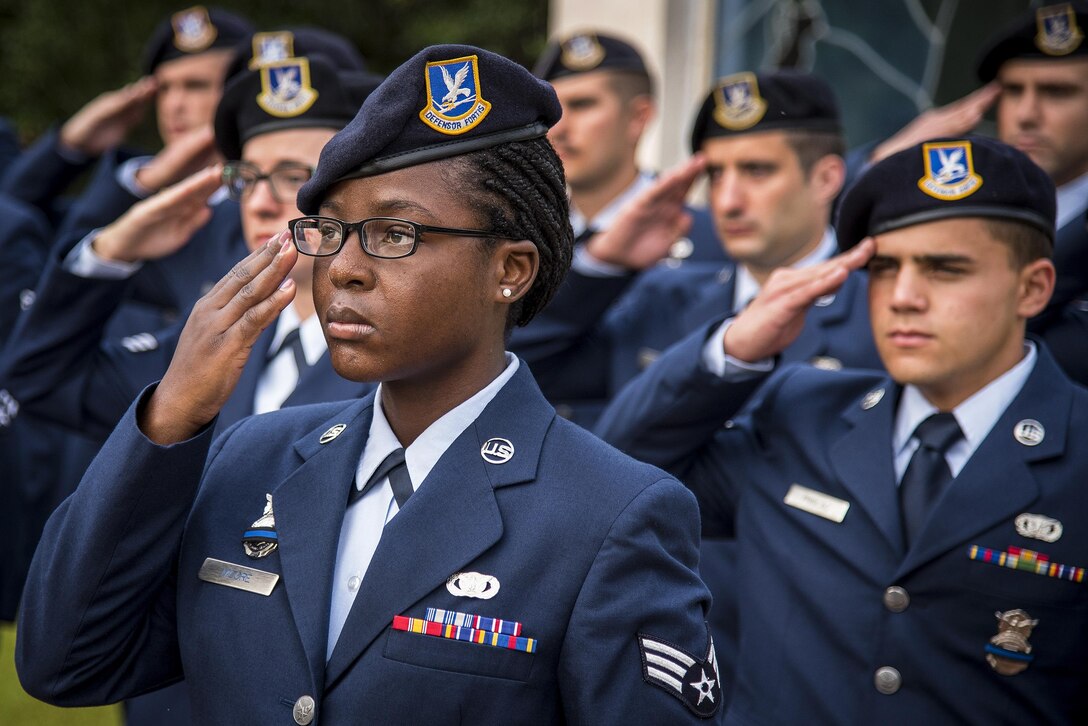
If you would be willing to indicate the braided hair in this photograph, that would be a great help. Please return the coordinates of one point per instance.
(519, 190)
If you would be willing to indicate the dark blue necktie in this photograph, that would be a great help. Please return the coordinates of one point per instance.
(294, 342)
(396, 469)
(927, 474)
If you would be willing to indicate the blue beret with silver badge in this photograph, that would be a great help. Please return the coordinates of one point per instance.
(973, 176)
(445, 101)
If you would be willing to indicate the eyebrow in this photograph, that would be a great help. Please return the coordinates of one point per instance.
(943, 259)
(389, 206)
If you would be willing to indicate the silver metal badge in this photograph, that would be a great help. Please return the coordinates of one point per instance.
(303, 712)
(9, 408)
(473, 584)
(681, 249)
(825, 363)
(823, 301)
(1038, 526)
(140, 343)
(261, 539)
(1009, 652)
(240, 577)
(872, 398)
(26, 299)
(332, 433)
(1029, 432)
(497, 451)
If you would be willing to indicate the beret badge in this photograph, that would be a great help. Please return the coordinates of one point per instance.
(286, 90)
(1058, 33)
(949, 170)
(582, 53)
(455, 102)
(193, 30)
(737, 103)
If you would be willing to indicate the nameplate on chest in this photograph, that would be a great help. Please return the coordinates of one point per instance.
(818, 503)
(238, 576)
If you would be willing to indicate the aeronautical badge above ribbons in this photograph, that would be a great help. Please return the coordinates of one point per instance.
(737, 103)
(193, 29)
(949, 170)
(261, 539)
(455, 101)
(1058, 33)
(285, 88)
(272, 47)
(695, 682)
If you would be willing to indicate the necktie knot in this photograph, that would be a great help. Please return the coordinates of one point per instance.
(293, 342)
(939, 432)
(396, 468)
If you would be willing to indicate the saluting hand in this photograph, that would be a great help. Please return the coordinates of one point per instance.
(107, 120)
(161, 224)
(217, 340)
(651, 222)
(954, 119)
(776, 315)
(178, 159)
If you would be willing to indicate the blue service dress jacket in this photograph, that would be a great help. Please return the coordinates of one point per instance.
(41, 175)
(821, 626)
(591, 552)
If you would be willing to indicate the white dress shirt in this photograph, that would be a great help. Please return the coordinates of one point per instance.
(365, 519)
(280, 375)
(1072, 201)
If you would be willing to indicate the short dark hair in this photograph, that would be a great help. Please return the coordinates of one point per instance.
(519, 191)
(1026, 243)
(630, 84)
(811, 146)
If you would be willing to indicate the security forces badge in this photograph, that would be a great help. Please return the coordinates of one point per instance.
(695, 682)
(949, 170)
(737, 103)
(1009, 652)
(261, 538)
(285, 88)
(1058, 33)
(272, 47)
(581, 53)
(455, 102)
(193, 29)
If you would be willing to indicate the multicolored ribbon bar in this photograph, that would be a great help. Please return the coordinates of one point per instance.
(456, 632)
(468, 620)
(1017, 558)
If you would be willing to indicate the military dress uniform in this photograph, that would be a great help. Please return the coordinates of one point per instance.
(978, 616)
(535, 575)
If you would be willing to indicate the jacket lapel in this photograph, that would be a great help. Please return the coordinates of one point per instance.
(828, 312)
(309, 508)
(997, 483)
(862, 459)
(320, 383)
(716, 303)
(450, 520)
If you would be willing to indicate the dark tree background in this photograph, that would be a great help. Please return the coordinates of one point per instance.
(57, 55)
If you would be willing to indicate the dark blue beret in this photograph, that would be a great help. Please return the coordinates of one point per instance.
(269, 46)
(974, 176)
(293, 93)
(1052, 32)
(587, 52)
(771, 101)
(194, 30)
(445, 101)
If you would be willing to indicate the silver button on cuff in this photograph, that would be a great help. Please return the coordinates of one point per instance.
(896, 599)
(887, 680)
(304, 710)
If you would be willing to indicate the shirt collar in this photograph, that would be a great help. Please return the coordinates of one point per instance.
(606, 216)
(976, 416)
(746, 286)
(313, 340)
(1072, 200)
(427, 449)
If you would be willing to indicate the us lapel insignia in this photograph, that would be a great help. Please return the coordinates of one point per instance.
(261, 539)
(692, 680)
(1029, 432)
(1038, 526)
(1009, 652)
(825, 363)
(872, 398)
(473, 584)
(497, 451)
(332, 433)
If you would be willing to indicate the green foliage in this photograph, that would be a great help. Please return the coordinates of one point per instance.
(57, 55)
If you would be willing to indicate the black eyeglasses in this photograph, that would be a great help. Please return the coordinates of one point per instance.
(285, 180)
(385, 237)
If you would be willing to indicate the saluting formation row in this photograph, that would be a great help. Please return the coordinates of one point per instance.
(858, 363)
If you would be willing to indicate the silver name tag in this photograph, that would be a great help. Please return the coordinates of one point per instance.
(818, 503)
(238, 576)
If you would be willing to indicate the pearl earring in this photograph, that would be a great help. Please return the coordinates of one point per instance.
(507, 292)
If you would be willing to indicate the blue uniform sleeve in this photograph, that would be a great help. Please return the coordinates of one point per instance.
(637, 649)
(98, 618)
(41, 174)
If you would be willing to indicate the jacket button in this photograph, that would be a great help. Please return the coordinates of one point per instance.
(304, 710)
(887, 680)
(896, 599)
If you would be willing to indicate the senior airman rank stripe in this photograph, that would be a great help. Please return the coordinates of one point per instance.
(1017, 558)
(479, 622)
(470, 635)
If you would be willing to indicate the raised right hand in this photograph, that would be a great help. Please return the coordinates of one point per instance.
(106, 121)
(178, 159)
(217, 340)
